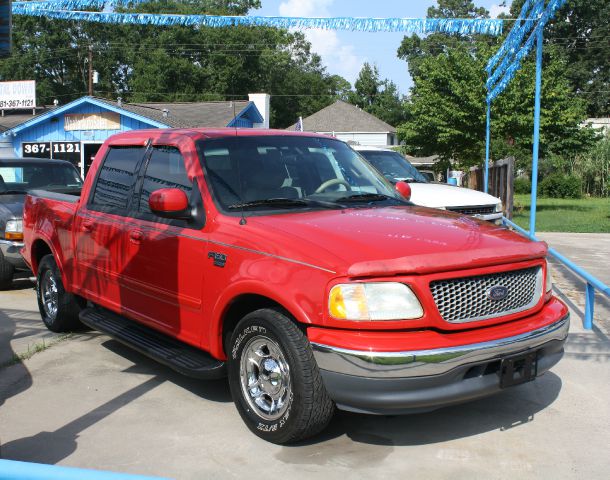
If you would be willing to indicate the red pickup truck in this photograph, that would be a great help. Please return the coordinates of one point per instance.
(284, 261)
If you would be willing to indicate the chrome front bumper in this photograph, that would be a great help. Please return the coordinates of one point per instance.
(432, 362)
(490, 217)
(393, 383)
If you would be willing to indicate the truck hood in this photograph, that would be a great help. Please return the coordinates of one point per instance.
(11, 206)
(436, 195)
(391, 240)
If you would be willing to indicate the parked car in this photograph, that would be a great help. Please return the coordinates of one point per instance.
(396, 167)
(286, 262)
(17, 176)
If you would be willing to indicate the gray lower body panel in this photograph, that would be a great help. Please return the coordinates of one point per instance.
(395, 396)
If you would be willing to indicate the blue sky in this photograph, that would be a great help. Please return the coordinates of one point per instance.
(344, 53)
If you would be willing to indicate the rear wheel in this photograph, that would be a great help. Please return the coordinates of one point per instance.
(6, 273)
(274, 379)
(59, 310)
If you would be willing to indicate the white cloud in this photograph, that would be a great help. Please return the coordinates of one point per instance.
(496, 10)
(340, 57)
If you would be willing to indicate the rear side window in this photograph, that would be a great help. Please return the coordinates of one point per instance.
(165, 169)
(116, 178)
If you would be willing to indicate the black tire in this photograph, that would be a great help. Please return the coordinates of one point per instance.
(61, 314)
(7, 270)
(307, 409)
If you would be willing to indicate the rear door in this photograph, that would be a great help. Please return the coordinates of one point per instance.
(164, 275)
(102, 226)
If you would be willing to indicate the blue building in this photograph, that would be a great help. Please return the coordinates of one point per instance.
(76, 131)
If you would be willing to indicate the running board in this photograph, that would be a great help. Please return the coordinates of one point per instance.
(177, 355)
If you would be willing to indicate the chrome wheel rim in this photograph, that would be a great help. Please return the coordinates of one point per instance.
(49, 294)
(265, 378)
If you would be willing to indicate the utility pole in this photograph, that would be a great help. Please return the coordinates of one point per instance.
(90, 70)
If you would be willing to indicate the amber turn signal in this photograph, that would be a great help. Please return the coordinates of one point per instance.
(13, 236)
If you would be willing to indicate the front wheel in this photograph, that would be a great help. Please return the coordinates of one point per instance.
(274, 379)
(59, 309)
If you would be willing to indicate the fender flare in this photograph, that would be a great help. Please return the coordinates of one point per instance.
(49, 243)
(246, 287)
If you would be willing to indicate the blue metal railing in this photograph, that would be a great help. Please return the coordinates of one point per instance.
(593, 283)
(13, 470)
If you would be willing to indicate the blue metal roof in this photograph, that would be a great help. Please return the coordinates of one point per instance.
(93, 101)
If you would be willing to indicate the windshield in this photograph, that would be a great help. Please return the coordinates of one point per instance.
(43, 176)
(393, 166)
(276, 172)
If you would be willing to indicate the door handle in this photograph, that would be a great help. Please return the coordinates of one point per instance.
(88, 225)
(135, 236)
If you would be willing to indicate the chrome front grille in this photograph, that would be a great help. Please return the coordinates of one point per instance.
(485, 210)
(467, 299)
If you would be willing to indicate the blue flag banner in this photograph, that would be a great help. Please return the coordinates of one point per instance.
(73, 10)
(532, 20)
(5, 28)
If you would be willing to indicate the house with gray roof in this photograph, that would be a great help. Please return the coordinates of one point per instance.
(350, 124)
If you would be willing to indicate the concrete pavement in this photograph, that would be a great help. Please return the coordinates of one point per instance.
(590, 251)
(90, 402)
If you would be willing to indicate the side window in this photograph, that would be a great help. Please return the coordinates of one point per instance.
(165, 169)
(116, 179)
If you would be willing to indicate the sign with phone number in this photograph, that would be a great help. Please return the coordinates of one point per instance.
(18, 94)
(57, 150)
(8, 104)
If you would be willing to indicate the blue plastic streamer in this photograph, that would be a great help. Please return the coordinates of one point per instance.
(511, 71)
(72, 5)
(514, 43)
(509, 41)
(67, 10)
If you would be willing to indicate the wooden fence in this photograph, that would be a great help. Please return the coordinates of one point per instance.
(501, 181)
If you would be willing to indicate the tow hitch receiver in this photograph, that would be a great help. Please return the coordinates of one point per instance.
(518, 369)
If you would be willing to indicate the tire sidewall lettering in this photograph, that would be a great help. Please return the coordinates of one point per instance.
(279, 424)
(252, 329)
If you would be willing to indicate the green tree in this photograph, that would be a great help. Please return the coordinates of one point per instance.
(580, 32)
(378, 97)
(446, 110)
(150, 63)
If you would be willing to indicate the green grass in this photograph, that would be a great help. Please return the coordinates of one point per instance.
(34, 349)
(584, 215)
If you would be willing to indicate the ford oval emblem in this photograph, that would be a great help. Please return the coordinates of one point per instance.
(497, 293)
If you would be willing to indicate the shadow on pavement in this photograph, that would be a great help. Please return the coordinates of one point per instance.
(14, 376)
(212, 390)
(52, 447)
(507, 410)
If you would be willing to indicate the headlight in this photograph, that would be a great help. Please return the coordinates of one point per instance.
(549, 278)
(14, 230)
(373, 301)
(499, 207)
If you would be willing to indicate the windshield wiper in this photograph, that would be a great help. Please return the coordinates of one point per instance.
(281, 202)
(365, 197)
